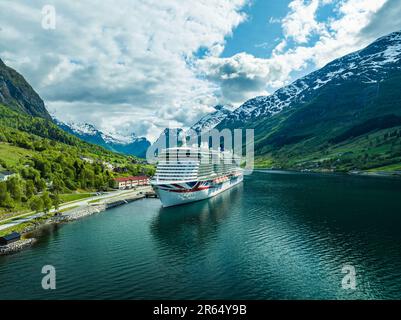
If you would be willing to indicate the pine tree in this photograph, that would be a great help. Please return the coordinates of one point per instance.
(3, 191)
(47, 202)
(8, 201)
(29, 189)
(36, 204)
(14, 186)
(56, 200)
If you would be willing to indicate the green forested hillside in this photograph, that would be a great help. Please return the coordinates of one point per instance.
(50, 162)
(18, 94)
(345, 116)
(347, 126)
(47, 163)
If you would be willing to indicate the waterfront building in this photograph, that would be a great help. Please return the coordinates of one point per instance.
(10, 238)
(131, 182)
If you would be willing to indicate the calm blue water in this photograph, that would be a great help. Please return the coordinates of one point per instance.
(277, 236)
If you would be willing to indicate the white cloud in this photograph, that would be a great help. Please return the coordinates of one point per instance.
(386, 20)
(341, 36)
(130, 60)
(243, 75)
(239, 77)
(132, 64)
(301, 22)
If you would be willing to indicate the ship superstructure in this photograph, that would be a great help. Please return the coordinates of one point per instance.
(186, 174)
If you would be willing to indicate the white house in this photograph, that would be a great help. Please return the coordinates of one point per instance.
(108, 165)
(5, 175)
(89, 160)
(131, 182)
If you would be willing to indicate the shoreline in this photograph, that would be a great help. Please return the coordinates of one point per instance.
(72, 215)
(76, 213)
(374, 174)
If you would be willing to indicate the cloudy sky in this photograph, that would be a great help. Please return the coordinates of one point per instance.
(142, 65)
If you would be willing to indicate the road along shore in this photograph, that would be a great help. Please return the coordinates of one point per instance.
(76, 213)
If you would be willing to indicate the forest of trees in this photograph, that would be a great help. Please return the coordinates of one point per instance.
(54, 163)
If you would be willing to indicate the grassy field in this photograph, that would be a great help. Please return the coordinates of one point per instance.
(67, 209)
(95, 201)
(5, 213)
(263, 162)
(12, 154)
(21, 227)
(68, 197)
(376, 151)
(392, 167)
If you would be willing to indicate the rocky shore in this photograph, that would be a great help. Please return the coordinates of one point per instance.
(88, 210)
(16, 246)
(79, 213)
(376, 173)
(70, 215)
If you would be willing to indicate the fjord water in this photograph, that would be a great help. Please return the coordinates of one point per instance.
(277, 236)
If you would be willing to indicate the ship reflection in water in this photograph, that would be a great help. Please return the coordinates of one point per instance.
(277, 236)
(193, 225)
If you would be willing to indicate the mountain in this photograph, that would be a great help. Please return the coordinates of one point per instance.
(22, 112)
(131, 145)
(16, 93)
(205, 124)
(47, 160)
(164, 139)
(369, 66)
(212, 119)
(345, 116)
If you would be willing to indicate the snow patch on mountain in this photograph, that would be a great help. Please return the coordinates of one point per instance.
(83, 128)
(370, 65)
(211, 120)
(130, 144)
(120, 139)
(108, 137)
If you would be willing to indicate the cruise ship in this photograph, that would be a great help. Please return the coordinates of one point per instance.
(186, 174)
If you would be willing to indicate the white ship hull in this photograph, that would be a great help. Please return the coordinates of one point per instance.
(182, 193)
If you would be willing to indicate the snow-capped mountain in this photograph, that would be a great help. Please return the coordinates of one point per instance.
(130, 145)
(80, 129)
(212, 119)
(321, 106)
(163, 141)
(367, 66)
(206, 123)
(351, 104)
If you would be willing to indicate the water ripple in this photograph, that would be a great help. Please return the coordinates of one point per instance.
(280, 236)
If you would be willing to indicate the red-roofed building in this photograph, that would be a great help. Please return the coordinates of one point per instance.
(131, 182)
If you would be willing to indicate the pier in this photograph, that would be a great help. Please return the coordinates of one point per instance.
(150, 194)
(107, 203)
